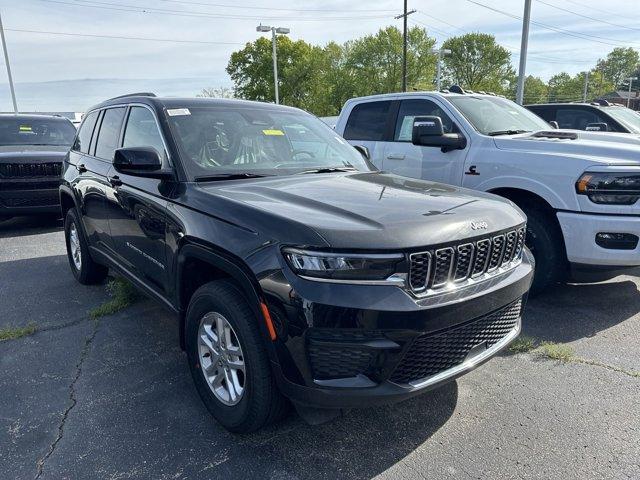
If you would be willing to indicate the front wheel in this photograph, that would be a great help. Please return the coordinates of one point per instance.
(83, 267)
(228, 359)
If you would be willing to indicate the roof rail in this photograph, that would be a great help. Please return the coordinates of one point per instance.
(137, 94)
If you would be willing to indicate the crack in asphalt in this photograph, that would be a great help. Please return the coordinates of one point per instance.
(72, 400)
(595, 363)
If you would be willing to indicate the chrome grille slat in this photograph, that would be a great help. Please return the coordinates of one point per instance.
(434, 269)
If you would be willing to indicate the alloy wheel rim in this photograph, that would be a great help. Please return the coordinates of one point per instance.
(221, 358)
(74, 244)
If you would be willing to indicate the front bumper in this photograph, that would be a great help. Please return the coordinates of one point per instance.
(29, 197)
(580, 230)
(346, 357)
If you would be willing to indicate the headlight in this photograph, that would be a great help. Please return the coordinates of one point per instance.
(610, 188)
(345, 266)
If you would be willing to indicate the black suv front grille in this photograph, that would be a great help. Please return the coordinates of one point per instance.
(431, 354)
(28, 170)
(435, 269)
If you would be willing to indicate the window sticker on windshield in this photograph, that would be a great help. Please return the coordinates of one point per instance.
(26, 128)
(174, 112)
(273, 132)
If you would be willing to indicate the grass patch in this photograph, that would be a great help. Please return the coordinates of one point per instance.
(122, 294)
(557, 351)
(522, 344)
(16, 332)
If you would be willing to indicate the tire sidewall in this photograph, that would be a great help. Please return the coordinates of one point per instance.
(546, 246)
(72, 218)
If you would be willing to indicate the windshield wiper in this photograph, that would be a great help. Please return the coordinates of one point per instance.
(346, 168)
(506, 132)
(228, 176)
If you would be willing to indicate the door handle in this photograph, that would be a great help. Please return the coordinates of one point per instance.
(395, 156)
(115, 181)
(81, 168)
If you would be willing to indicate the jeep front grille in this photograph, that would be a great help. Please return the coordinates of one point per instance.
(432, 270)
(28, 170)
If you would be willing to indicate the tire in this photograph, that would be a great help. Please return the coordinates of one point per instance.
(546, 243)
(260, 402)
(83, 267)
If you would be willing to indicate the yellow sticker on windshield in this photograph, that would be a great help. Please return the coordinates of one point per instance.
(273, 132)
(25, 128)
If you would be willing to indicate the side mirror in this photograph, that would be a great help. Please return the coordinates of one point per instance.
(140, 162)
(597, 127)
(364, 151)
(554, 124)
(428, 132)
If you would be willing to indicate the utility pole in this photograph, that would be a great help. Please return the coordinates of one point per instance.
(631, 79)
(274, 30)
(6, 61)
(404, 44)
(586, 86)
(440, 52)
(523, 51)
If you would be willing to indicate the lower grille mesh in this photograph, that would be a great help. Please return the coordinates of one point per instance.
(431, 354)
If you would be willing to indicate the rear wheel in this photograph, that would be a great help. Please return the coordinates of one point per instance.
(228, 359)
(545, 241)
(83, 267)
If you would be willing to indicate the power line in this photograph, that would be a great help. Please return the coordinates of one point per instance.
(119, 37)
(587, 16)
(252, 7)
(182, 13)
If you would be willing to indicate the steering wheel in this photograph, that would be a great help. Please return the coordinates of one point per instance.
(310, 155)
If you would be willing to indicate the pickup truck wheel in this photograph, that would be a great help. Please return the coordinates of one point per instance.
(545, 242)
(83, 267)
(228, 359)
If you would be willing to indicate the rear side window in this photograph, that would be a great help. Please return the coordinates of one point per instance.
(546, 113)
(576, 118)
(410, 109)
(109, 133)
(368, 121)
(142, 131)
(83, 139)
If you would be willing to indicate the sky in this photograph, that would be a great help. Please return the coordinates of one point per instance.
(188, 42)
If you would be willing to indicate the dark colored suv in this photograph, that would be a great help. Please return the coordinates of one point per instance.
(296, 269)
(32, 148)
(596, 117)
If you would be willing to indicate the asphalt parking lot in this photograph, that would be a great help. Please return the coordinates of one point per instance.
(113, 398)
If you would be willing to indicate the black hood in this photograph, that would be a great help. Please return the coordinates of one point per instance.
(32, 153)
(364, 210)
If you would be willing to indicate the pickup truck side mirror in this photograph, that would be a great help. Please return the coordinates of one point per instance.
(554, 124)
(597, 127)
(364, 151)
(140, 162)
(428, 132)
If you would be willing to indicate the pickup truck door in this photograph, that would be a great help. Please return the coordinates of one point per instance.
(137, 206)
(429, 163)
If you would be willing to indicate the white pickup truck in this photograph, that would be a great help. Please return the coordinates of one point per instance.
(580, 190)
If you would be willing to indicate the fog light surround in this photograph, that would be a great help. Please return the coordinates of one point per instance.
(617, 241)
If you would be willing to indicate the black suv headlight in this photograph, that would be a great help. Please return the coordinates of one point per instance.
(346, 266)
(610, 188)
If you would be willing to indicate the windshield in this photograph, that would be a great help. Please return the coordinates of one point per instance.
(36, 131)
(495, 115)
(627, 117)
(237, 140)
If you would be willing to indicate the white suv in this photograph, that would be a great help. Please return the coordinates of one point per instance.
(580, 190)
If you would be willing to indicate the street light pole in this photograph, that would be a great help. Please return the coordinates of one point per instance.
(404, 44)
(274, 30)
(631, 79)
(586, 86)
(523, 51)
(6, 61)
(440, 52)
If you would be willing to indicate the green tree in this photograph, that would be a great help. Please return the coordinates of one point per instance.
(535, 89)
(477, 62)
(213, 92)
(619, 65)
(566, 88)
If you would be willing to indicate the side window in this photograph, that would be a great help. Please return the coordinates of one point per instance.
(83, 139)
(410, 109)
(576, 118)
(546, 113)
(109, 133)
(142, 131)
(368, 121)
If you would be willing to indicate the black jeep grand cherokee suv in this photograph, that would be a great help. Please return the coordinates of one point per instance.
(295, 267)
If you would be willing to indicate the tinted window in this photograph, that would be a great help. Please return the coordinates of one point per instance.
(547, 113)
(409, 109)
(109, 133)
(368, 121)
(84, 134)
(142, 131)
(577, 118)
(36, 131)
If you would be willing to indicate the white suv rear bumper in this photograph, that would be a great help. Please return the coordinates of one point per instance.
(580, 231)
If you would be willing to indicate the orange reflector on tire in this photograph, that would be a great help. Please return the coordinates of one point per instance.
(268, 321)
